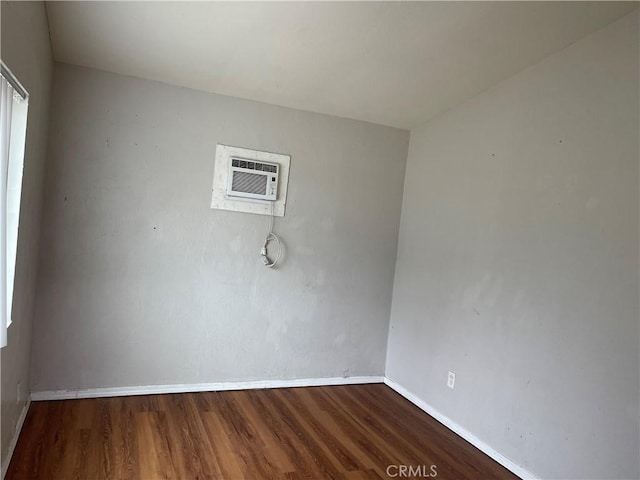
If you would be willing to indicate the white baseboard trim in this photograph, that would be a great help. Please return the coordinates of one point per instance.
(14, 440)
(468, 436)
(199, 387)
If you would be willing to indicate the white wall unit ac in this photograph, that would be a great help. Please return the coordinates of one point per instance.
(250, 181)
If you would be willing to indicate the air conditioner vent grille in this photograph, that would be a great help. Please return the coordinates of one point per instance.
(264, 167)
(249, 183)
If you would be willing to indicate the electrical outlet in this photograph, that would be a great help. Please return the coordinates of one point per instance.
(451, 380)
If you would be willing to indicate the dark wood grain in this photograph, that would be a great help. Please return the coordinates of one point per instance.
(353, 432)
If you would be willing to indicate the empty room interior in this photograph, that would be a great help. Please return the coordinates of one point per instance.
(320, 240)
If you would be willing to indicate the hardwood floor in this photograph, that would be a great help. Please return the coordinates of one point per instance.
(353, 432)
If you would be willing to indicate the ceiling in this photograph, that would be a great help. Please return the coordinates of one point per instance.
(392, 63)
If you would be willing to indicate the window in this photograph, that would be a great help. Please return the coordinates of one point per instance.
(14, 102)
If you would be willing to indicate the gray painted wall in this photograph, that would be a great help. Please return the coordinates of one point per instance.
(142, 283)
(27, 51)
(518, 263)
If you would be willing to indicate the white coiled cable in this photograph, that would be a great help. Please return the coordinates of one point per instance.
(271, 237)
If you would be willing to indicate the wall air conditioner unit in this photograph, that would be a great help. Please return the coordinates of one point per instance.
(251, 179)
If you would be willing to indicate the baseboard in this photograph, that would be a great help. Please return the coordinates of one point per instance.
(14, 440)
(468, 436)
(199, 387)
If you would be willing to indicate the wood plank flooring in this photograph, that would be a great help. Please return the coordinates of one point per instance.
(353, 432)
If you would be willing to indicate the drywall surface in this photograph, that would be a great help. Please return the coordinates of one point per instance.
(393, 63)
(142, 283)
(518, 263)
(27, 52)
